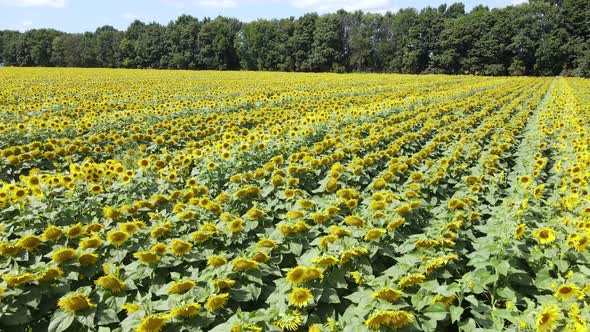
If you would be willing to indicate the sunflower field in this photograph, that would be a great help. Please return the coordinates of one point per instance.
(237, 201)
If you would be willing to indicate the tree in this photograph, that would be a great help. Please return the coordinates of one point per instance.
(216, 44)
(107, 46)
(326, 49)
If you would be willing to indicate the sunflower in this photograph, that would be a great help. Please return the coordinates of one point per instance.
(300, 297)
(144, 163)
(296, 275)
(17, 280)
(236, 225)
(221, 284)
(50, 275)
(181, 287)
(152, 323)
(519, 231)
(567, 291)
(326, 261)
(524, 180)
(52, 233)
(91, 242)
(96, 189)
(87, 259)
(75, 302)
(266, 243)
(545, 235)
(112, 283)
(374, 234)
(186, 311)
(61, 255)
(180, 247)
(411, 280)
(130, 307)
(217, 302)
(216, 261)
(146, 257)
(387, 294)
(29, 242)
(117, 237)
(243, 264)
(159, 248)
(354, 221)
(547, 319)
(289, 321)
(390, 318)
(75, 231)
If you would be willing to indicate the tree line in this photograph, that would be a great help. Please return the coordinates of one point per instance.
(536, 38)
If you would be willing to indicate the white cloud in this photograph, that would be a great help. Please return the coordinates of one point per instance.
(34, 3)
(26, 23)
(349, 5)
(518, 2)
(218, 3)
(321, 6)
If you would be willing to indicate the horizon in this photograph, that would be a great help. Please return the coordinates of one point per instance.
(81, 16)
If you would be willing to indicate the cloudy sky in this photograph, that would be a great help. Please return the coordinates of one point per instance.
(87, 15)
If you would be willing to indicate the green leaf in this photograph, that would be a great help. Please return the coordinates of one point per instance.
(61, 321)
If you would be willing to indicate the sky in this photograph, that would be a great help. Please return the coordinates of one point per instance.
(87, 15)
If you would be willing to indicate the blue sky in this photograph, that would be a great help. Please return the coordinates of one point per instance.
(87, 15)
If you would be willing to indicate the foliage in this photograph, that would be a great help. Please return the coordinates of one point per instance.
(236, 201)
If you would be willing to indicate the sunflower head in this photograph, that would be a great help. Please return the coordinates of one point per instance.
(75, 303)
(300, 297)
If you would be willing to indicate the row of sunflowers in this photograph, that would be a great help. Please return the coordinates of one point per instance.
(237, 201)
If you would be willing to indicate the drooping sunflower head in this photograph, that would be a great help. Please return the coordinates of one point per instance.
(62, 255)
(111, 282)
(75, 302)
(181, 287)
(186, 311)
(217, 302)
(180, 247)
(117, 237)
(152, 323)
(387, 294)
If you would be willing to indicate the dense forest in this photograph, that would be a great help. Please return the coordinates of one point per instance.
(536, 38)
